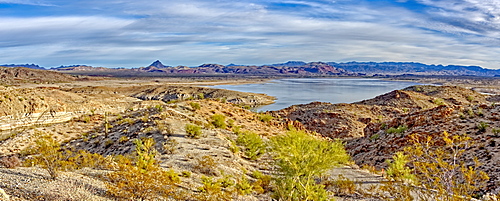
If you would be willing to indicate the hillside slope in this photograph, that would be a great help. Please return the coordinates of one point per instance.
(26, 75)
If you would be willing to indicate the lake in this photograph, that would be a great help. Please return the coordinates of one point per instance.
(305, 90)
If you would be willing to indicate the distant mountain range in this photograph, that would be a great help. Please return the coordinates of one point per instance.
(290, 68)
(32, 66)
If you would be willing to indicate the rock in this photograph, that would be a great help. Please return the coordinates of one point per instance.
(3, 195)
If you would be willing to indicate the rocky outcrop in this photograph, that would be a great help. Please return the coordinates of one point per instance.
(174, 93)
(336, 120)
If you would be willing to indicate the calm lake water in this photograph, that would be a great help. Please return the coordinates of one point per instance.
(305, 90)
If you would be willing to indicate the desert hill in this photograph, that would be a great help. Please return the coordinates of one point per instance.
(27, 75)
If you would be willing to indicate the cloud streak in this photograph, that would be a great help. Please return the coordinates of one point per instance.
(191, 32)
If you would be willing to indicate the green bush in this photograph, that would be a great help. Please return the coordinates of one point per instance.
(438, 101)
(481, 126)
(195, 106)
(193, 131)
(253, 145)
(219, 121)
(48, 155)
(213, 190)
(397, 169)
(265, 117)
(301, 159)
(399, 129)
(142, 179)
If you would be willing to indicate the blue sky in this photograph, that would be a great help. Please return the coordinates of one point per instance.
(134, 33)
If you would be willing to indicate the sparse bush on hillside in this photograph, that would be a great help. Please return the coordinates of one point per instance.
(301, 159)
(437, 164)
(213, 190)
(253, 145)
(143, 178)
(481, 126)
(399, 129)
(495, 131)
(48, 155)
(206, 165)
(398, 170)
(341, 185)
(193, 131)
(201, 96)
(265, 117)
(219, 121)
(438, 101)
(195, 105)
(170, 146)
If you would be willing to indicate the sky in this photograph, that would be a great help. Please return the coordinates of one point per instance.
(134, 33)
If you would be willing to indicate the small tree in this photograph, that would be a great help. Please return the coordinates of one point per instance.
(49, 155)
(144, 178)
(439, 164)
(301, 159)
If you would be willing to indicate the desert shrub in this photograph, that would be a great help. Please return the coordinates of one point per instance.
(263, 182)
(219, 121)
(194, 105)
(437, 164)
(159, 108)
(265, 117)
(233, 147)
(83, 158)
(300, 159)
(206, 165)
(10, 161)
(398, 169)
(193, 131)
(481, 126)
(375, 136)
(253, 144)
(341, 185)
(230, 123)
(243, 186)
(438, 101)
(123, 139)
(495, 131)
(49, 155)
(399, 129)
(201, 96)
(186, 174)
(213, 190)
(479, 112)
(470, 112)
(163, 127)
(170, 146)
(143, 178)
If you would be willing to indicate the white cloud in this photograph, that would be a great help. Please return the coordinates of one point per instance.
(26, 2)
(188, 32)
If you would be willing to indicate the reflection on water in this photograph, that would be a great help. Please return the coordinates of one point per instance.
(305, 90)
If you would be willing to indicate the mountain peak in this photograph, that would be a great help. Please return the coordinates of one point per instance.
(157, 64)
